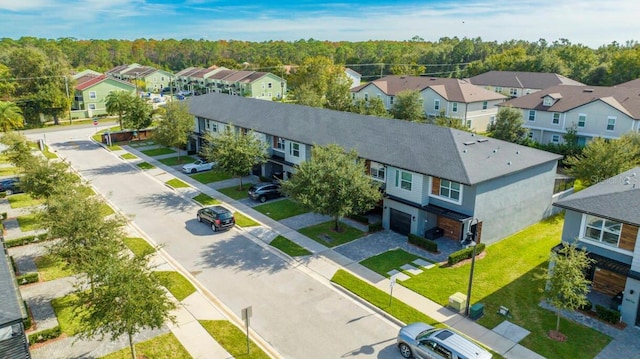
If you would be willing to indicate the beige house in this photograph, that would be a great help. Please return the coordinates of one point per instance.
(150, 79)
(520, 83)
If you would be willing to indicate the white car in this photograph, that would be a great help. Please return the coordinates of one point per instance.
(197, 166)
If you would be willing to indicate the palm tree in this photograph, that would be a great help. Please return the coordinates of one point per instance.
(10, 116)
(118, 103)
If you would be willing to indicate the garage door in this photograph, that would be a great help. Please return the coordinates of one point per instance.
(400, 222)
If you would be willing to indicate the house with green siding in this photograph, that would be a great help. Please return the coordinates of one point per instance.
(91, 92)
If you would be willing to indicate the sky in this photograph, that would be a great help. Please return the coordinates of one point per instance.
(592, 23)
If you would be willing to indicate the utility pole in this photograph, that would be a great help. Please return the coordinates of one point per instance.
(66, 86)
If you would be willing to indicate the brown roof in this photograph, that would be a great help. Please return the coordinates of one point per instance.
(118, 69)
(522, 79)
(237, 76)
(140, 71)
(91, 81)
(632, 83)
(221, 74)
(624, 99)
(451, 89)
(254, 76)
(188, 71)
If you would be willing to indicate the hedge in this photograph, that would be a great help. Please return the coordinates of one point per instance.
(466, 253)
(375, 227)
(360, 218)
(25, 240)
(422, 242)
(608, 315)
(28, 278)
(44, 335)
(27, 321)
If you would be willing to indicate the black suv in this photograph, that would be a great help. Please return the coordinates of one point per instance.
(10, 185)
(264, 191)
(218, 216)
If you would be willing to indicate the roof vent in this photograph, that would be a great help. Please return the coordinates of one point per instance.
(509, 163)
(517, 152)
(627, 180)
(469, 143)
(464, 151)
(587, 90)
(495, 150)
(433, 79)
(483, 140)
(633, 174)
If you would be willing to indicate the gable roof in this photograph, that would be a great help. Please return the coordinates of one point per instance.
(624, 99)
(89, 82)
(453, 90)
(11, 308)
(522, 79)
(428, 149)
(616, 198)
(188, 71)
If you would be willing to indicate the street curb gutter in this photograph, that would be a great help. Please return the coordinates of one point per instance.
(366, 303)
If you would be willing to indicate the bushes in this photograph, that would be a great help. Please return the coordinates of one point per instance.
(45, 335)
(28, 278)
(422, 242)
(608, 315)
(375, 227)
(463, 254)
(360, 218)
(25, 240)
(27, 322)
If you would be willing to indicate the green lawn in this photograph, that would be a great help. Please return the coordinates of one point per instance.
(176, 183)
(138, 246)
(282, 209)
(289, 247)
(51, 268)
(232, 339)
(22, 200)
(205, 200)
(28, 222)
(235, 192)
(176, 283)
(387, 261)
(214, 175)
(141, 143)
(145, 166)
(165, 346)
(244, 221)
(86, 190)
(174, 161)
(128, 156)
(106, 210)
(159, 151)
(320, 232)
(66, 314)
(8, 171)
(48, 154)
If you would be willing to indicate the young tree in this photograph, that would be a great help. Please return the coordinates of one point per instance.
(408, 106)
(43, 178)
(138, 115)
(451, 122)
(235, 152)
(508, 125)
(117, 103)
(10, 116)
(338, 96)
(176, 127)
(333, 183)
(567, 286)
(18, 151)
(373, 107)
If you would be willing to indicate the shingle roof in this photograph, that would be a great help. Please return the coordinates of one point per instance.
(624, 99)
(616, 198)
(633, 83)
(140, 71)
(237, 76)
(221, 74)
(89, 82)
(188, 71)
(118, 69)
(10, 310)
(522, 79)
(439, 151)
(454, 90)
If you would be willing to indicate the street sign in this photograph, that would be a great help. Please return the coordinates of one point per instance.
(95, 122)
(246, 314)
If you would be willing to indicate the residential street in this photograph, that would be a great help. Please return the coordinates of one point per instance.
(297, 314)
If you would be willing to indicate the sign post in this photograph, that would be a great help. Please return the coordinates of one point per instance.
(246, 314)
(95, 123)
(392, 282)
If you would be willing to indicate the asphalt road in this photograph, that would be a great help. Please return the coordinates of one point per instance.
(298, 315)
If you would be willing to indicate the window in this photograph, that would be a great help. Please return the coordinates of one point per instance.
(280, 144)
(485, 104)
(366, 97)
(555, 139)
(468, 123)
(92, 106)
(450, 190)
(391, 100)
(498, 89)
(532, 115)
(513, 92)
(262, 95)
(454, 107)
(602, 230)
(556, 118)
(530, 135)
(214, 127)
(403, 180)
(377, 171)
(294, 149)
(269, 94)
(547, 101)
(92, 94)
(269, 85)
(436, 105)
(611, 123)
(582, 119)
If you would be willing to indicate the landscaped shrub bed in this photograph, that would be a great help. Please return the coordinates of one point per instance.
(25, 240)
(45, 335)
(28, 278)
(424, 243)
(375, 227)
(360, 218)
(466, 253)
(608, 315)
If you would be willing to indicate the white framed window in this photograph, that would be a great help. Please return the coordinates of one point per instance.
(377, 171)
(269, 94)
(263, 85)
(513, 92)
(602, 230)
(556, 118)
(92, 95)
(294, 149)
(269, 85)
(451, 190)
(262, 95)
(280, 144)
(611, 123)
(485, 105)
(366, 97)
(532, 115)
(404, 179)
(391, 100)
(582, 120)
(454, 107)
(214, 126)
(555, 139)
(436, 104)
(547, 101)
(498, 89)
(92, 106)
(468, 124)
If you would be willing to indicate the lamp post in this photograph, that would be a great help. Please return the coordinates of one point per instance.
(471, 238)
(281, 91)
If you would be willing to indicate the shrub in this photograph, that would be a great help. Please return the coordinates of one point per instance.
(608, 315)
(587, 306)
(13, 264)
(360, 218)
(375, 227)
(422, 242)
(27, 321)
(44, 335)
(463, 254)
(25, 240)
(3, 215)
(28, 278)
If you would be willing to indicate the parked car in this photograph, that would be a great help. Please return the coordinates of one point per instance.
(422, 341)
(264, 191)
(158, 100)
(197, 166)
(219, 217)
(180, 97)
(10, 185)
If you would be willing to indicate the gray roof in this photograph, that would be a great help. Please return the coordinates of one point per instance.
(10, 309)
(522, 79)
(428, 149)
(616, 198)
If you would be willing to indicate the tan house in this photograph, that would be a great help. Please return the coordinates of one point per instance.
(520, 83)
(150, 79)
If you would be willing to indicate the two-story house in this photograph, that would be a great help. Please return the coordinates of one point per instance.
(520, 83)
(594, 111)
(13, 341)
(148, 79)
(473, 105)
(604, 220)
(433, 176)
(90, 94)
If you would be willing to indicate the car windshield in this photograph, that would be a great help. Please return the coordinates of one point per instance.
(225, 215)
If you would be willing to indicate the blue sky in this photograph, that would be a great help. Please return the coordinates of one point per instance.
(589, 22)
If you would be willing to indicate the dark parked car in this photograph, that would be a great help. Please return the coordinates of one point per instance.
(264, 191)
(218, 216)
(10, 185)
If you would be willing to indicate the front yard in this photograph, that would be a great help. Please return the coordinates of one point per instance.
(325, 234)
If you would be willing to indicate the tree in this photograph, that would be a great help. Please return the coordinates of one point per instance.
(10, 116)
(333, 183)
(235, 152)
(176, 127)
(18, 151)
(117, 103)
(338, 96)
(567, 286)
(138, 115)
(444, 121)
(408, 106)
(508, 125)
(43, 178)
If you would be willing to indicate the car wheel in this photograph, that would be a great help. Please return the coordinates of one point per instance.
(193, 170)
(213, 227)
(263, 199)
(405, 351)
(8, 192)
(199, 218)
